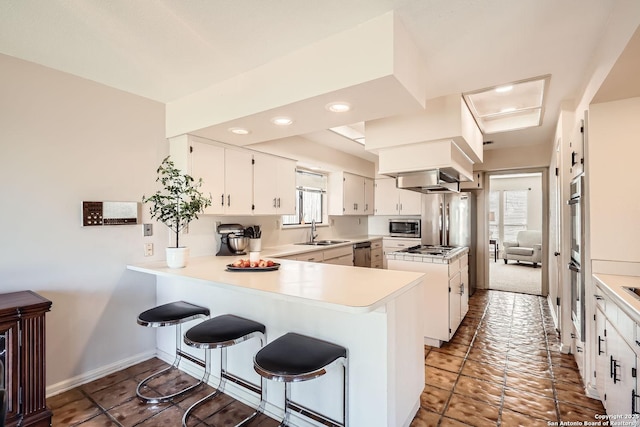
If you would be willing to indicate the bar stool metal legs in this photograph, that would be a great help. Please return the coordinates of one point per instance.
(294, 358)
(172, 314)
(222, 332)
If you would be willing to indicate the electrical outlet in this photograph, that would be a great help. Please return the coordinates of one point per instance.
(148, 249)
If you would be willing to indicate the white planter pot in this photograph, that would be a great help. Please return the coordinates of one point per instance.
(177, 257)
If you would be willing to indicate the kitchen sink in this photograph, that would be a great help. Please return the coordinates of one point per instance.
(323, 242)
(633, 291)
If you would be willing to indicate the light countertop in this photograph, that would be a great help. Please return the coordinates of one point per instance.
(353, 289)
(613, 286)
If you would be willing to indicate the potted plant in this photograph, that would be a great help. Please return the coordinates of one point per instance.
(176, 205)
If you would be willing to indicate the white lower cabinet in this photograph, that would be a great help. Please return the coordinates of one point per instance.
(615, 360)
(446, 295)
(377, 256)
(601, 353)
(620, 384)
(342, 255)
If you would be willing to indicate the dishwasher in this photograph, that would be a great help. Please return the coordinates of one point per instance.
(362, 254)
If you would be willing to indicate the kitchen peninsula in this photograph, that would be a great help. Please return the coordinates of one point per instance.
(376, 314)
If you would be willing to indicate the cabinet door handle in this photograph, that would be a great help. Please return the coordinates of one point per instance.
(274, 203)
(579, 349)
(600, 340)
(400, 207)
(614, 370)
(222, 199)
(396, 206)
(599, 297)
(228, 199)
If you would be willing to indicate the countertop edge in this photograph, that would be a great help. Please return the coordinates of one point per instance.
(612, 285)
(154, 269)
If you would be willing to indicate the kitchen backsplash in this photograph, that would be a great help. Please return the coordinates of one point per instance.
(202, 238)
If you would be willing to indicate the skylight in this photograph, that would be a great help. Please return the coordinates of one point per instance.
(354, 132)
(510, 106)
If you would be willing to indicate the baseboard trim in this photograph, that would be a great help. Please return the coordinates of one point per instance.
(87, 377)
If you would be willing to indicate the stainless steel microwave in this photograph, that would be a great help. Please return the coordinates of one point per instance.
(404, 228)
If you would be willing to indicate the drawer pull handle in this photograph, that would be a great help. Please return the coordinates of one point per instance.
(614, 370)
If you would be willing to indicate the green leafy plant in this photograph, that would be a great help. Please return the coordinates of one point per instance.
(180, 200)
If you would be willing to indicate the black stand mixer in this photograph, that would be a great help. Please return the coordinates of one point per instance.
(232, 240)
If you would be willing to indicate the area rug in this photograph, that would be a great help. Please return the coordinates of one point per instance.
(512, 277)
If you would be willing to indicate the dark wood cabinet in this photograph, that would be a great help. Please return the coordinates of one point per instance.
(22, 350)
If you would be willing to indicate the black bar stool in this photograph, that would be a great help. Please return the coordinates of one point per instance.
(222, 332)
(171, 314)
(293, 358)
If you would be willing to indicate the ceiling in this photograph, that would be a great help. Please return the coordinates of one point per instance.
(168, 49)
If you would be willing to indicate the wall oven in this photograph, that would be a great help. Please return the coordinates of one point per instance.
(576, 263)
(404, 228)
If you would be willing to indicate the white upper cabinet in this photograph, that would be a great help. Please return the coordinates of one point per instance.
(369, 196)
(390, 200)
(227, 176)
(226, 172)
(238, 182)
(348, 194)
(274, 185)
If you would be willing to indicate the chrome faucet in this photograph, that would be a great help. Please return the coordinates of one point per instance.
(313, 230)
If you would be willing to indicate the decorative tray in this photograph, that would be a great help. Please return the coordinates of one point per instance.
(274, 267)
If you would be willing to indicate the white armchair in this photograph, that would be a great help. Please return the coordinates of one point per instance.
(528, 247)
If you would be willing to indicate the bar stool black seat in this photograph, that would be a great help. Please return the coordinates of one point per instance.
(171, 314)
(293, 358)
(222, 332)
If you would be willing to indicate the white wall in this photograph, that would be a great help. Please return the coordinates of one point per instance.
(63, 140)
(612, 165)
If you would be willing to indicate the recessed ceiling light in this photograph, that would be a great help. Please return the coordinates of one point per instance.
(338, 107)
(502, 89)
(508, 109)
(282, 121)
(239, 131)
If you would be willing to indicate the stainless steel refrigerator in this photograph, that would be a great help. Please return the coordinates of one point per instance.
(449, 219)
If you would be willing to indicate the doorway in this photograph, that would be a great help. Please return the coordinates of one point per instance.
(516, 230)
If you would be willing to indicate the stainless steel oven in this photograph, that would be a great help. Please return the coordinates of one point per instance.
(404, 228)
(576, 262)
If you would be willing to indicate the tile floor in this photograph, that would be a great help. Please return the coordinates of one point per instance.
(502, 368)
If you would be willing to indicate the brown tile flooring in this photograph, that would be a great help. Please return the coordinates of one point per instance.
(501, 368)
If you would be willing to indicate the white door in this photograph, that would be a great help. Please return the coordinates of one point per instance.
(555, 284)
(410, 202)
(601, 354)
(207, 162)
(238, 182)
(386, 197)
(369, 192)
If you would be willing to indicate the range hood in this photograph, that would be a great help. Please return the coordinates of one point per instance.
(429, 181)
